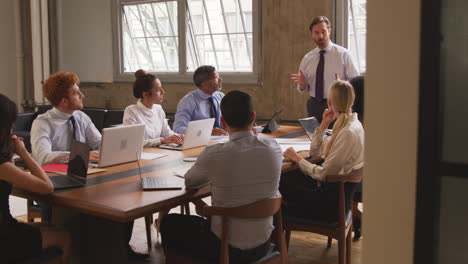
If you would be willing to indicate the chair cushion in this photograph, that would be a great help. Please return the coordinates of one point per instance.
(305, 221)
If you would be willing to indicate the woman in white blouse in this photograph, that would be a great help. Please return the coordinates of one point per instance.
(147, 88)
(304, 191)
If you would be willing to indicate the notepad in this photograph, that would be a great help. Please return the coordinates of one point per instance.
(62, 168)
(151, 155)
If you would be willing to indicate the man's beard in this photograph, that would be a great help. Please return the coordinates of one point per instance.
(218, 88)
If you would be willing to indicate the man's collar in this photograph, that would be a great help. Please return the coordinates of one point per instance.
(240, 134)
(329, 46)
(59, 114)
(202, 94)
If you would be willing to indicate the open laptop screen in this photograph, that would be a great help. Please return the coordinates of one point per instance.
(309, 124)
(78, 163)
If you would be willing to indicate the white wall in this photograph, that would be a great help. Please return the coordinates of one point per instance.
(7, 51)
(85, 39)
(392, 90)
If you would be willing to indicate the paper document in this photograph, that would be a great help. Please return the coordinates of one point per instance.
(291, 141)
(297, 147)
(151, 155)
(62, 168)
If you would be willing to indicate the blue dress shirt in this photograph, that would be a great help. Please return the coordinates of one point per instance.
(195, 106)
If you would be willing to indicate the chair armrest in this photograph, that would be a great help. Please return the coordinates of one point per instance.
(261, 209)
(353, 176)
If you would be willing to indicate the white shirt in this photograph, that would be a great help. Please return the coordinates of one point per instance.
(51, 134)
(156, 127)
(346, 153)
(243, 170)
(337, 59)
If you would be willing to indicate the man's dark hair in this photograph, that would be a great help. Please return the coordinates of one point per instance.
(237, 109)
(319, 20)
(358, 85)
(203, 74)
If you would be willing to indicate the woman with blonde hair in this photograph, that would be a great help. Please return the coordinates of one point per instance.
(304, 191)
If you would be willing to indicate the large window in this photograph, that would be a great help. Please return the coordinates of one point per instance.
(174, 37)
(350, 20)
(357, 31)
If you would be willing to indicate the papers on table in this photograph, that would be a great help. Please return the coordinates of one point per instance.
(293, 141)
(151, 155)
(297, 143)
(297, 147)
(62, 168)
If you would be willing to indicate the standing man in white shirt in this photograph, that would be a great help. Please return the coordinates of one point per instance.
(322, 66)
(241, 171)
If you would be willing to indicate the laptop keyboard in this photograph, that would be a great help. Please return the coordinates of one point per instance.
(153, 182)
(64, 181)
(160, 183)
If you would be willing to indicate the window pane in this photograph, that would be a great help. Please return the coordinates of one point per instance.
(150, 38)
(220, 34)
(357, 32)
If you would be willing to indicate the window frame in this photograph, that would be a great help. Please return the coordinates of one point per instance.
(184, 77)
(340, 18)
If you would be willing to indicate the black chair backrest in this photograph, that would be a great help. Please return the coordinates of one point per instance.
(97, 115)
(24, 121)
(43, 108)
(113, 117)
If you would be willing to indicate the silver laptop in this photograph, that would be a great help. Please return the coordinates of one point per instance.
(198, 134)
(118, 144)
(77, 167)
(160, 182)
(309, 124)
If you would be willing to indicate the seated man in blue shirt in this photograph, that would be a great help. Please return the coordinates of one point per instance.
(241, 171)
(202, 103)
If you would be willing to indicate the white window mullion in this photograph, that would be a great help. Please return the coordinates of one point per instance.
(159, 37)
(228, 36)
(353, 21)
(249, 52)
(132, 41)
(171, 25)
(196, 52)
(211, 33)
(146, 37)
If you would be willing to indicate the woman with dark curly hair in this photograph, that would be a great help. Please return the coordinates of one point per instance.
(148, 90)
(19, 240)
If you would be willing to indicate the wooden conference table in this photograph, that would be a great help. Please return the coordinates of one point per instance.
(97, 213)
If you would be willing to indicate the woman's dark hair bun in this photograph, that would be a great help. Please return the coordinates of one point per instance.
(140, 74)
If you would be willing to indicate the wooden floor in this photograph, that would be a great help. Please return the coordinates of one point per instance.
(305, 248)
